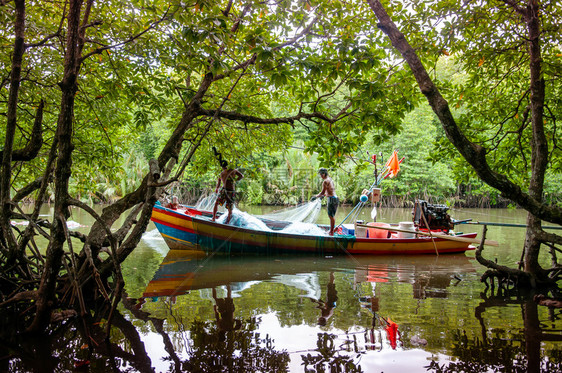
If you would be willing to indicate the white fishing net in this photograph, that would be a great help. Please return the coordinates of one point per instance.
(307, 212)
(206, 203)
(302, 216)
(245, 220)
(304, 228)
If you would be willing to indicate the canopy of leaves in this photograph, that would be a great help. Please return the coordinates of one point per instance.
(482, 51)
(142, 62)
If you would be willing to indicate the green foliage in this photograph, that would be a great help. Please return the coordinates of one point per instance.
(254, 193)
(133, 95)
(482, 60)
(552, 192)
(420, 175)
(148, 143)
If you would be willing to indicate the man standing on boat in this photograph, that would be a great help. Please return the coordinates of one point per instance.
(227, 195)
(328, 190)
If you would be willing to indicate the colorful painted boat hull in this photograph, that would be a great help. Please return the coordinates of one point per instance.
(188, 229)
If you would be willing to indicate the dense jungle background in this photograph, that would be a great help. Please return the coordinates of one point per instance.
(132, 81)
(290, 176)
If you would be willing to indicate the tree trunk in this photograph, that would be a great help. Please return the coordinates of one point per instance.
(533, 335)
(63, 169)
(6, 234)
(474, 153)
(539, 158)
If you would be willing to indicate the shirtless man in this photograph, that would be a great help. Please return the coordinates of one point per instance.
(328, 190)
(227, 195)
(327, 307)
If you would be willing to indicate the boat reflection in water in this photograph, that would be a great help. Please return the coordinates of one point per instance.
(352, 313)
(316, 309)
(185, 270)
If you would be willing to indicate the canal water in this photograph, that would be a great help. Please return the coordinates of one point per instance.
(329, 314)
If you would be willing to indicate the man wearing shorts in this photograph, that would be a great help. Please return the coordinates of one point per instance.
(328, 190)
(227, 195)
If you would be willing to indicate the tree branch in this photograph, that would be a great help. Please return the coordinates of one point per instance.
(130, 39)
(474, 154)
(253, 119)
(490, 264)
(53, 35)
(549, 237)
(35, 142)
(515, 6)
(11, 122)
(27, 190)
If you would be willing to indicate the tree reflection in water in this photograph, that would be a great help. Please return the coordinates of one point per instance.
(226, 338)
(329, 358)
(503, 351)
(84, 346)
(78, 345)
(230, 345)
(240, 350)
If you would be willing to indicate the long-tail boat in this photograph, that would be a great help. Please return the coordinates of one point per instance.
(187, 228)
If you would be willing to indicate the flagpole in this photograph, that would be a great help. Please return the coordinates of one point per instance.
(378, 178)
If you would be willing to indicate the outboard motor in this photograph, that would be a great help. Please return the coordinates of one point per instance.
(435, 215)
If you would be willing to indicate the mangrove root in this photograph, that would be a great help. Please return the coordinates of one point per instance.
(549, 302)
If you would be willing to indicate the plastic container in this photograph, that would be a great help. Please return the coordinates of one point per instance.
(377, 233)
(360, 232)
(409, 226)
(348, 229)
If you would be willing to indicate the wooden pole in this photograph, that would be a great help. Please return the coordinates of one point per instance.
(502, 224)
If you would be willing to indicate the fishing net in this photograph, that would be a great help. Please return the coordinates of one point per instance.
(302, 217)
(305, 212)
(305, 229)
(245, 220)
(206, 203)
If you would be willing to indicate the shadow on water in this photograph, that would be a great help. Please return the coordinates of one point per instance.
(303, 313)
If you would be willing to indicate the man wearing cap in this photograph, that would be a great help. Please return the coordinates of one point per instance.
(328, 190)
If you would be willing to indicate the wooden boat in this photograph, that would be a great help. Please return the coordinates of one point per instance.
(185, 227)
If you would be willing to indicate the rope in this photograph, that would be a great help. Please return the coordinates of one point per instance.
(360, 205)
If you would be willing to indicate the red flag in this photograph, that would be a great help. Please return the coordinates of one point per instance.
(393, 164)
(391, 332)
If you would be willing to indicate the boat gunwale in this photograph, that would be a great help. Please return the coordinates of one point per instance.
(204, 220)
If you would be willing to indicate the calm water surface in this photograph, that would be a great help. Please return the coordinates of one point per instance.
(341, 313)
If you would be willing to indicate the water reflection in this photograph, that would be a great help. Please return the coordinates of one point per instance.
(504, 350)
(235, 314)
(280, 284)
(327, 307)
(224, 313)
(182, 271)
(355, 313)
(272, 305)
